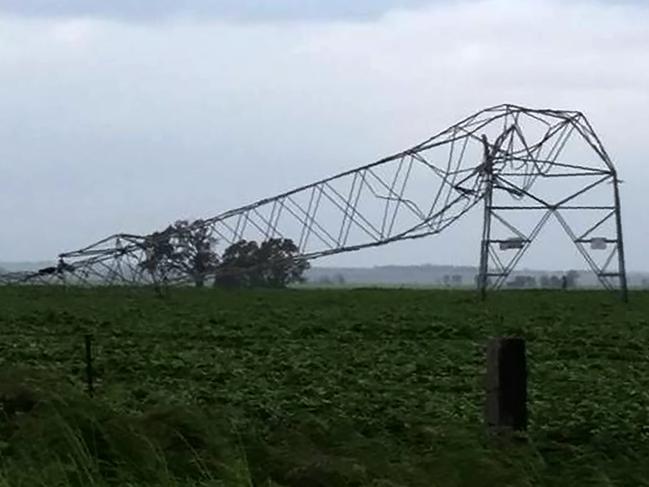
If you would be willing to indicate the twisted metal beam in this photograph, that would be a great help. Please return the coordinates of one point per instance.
(503, 150)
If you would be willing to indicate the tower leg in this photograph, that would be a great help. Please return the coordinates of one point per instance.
(483, 276)
(483, 273)
(624, 288)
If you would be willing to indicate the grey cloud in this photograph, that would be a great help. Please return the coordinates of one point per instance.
(107, 126)
(138, 10)
(241, 10)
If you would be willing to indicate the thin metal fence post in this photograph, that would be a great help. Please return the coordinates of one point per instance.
(89, 371)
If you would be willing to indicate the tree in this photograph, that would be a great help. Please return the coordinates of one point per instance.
(522, 282)
(325, 281)
(274, 263)
(237, 265)
(278, 263)
(194, 246)
(181, 249)
(339, 279)
(158, 255)
(571, 279)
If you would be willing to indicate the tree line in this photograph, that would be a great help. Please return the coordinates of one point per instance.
(188, 249)
(565, 281)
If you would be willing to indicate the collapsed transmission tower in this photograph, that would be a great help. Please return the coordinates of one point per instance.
(521, 166)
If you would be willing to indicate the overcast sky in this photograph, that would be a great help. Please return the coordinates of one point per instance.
(125, 115)
(243, 10)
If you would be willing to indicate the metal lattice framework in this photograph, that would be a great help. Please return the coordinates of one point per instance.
(522, 166)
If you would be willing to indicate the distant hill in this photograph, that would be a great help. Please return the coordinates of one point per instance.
(424, 275)
(439, 275)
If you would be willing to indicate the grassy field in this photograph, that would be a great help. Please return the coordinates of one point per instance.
(316, 388)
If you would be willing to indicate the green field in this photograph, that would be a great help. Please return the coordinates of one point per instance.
(308, 388)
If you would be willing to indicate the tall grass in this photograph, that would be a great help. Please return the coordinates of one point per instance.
(52, 435)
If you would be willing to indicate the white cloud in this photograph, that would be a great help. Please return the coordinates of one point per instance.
(109, 126)
(73, 33)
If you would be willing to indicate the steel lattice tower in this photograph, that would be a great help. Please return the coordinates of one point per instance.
(524, 166)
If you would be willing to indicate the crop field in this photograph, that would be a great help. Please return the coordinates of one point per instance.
(317, 388)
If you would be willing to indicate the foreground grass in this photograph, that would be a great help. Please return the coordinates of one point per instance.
(65, 439)
(316, 388)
